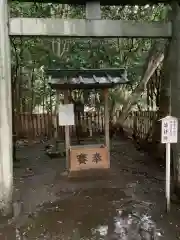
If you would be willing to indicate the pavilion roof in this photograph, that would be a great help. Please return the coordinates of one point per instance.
(86, 78)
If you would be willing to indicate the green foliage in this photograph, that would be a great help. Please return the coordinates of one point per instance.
(30, 56)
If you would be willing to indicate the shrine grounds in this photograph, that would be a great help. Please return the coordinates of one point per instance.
(128, 203)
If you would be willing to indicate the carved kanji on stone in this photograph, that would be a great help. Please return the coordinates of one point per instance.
(82, 158)
(97, 157)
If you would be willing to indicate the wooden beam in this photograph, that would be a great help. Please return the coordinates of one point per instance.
(87, 28)
(105, 2)
(6, 160)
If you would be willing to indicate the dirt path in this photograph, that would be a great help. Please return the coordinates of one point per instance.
(127, 205)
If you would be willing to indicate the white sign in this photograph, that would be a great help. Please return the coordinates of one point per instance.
(169, 134)
(66, 114)
(169, 130)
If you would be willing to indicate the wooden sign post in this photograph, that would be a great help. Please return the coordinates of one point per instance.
(66, 118)
(169, 133)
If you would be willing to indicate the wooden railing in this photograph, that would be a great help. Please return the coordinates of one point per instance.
(141, 124)
(33, 126)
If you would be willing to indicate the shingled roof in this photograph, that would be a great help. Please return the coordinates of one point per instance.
(86, 78)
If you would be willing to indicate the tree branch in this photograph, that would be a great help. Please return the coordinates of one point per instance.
(156, 56)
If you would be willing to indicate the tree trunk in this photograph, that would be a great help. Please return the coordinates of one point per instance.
(156, 56)
(164, 104)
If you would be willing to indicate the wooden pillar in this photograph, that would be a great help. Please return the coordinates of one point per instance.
(57, 117)
(174, 68)
(106, 121)
(67, 132)
(6, 170)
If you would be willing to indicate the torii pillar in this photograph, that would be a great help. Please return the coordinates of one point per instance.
(174, 80)
(6, 159)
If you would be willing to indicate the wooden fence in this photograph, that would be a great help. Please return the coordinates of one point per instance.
(33, 126)
(141, 124)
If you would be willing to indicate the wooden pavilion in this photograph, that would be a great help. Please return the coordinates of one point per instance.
(86, 157)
